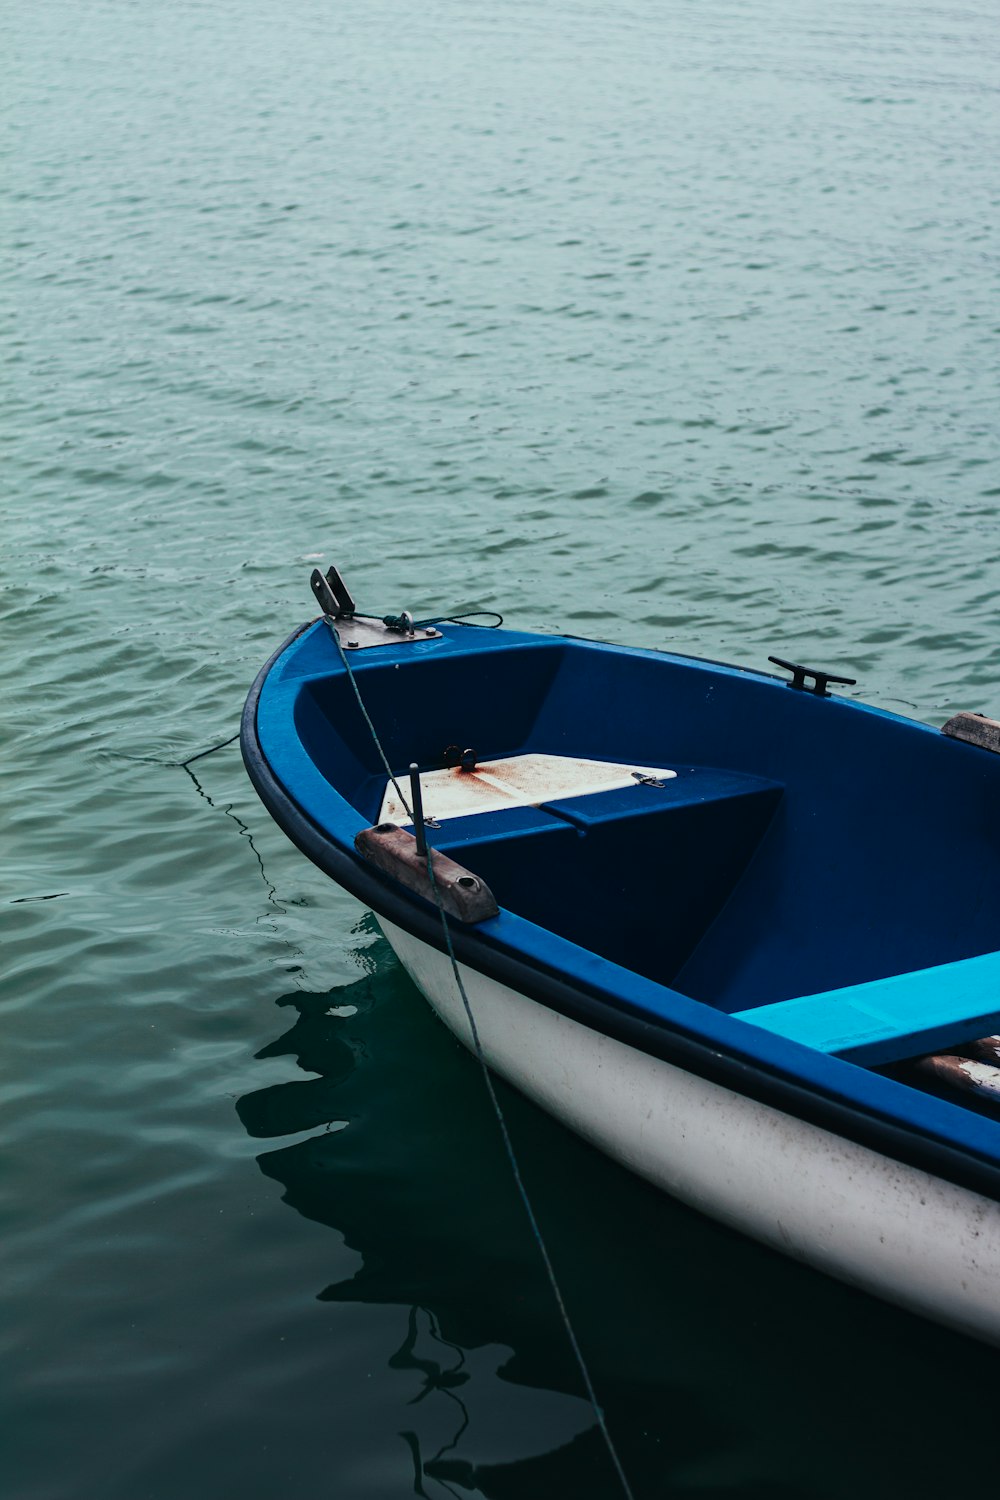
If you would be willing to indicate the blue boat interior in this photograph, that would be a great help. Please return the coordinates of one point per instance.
(808, 846)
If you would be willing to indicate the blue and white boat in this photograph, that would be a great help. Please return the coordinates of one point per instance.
(741, 934)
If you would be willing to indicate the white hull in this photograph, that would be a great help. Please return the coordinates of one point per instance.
(894, 1230)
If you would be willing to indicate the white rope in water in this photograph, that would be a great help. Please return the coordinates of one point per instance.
(498, 1108)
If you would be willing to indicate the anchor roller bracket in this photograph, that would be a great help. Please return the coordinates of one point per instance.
(358, 632)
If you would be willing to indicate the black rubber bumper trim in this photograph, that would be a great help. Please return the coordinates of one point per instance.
(592, 1010)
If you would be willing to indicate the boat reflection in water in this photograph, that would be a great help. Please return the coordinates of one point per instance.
(697, 1339)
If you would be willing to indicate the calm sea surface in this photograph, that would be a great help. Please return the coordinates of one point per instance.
(670, 322)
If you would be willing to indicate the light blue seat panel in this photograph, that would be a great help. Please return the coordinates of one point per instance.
(887, 1020)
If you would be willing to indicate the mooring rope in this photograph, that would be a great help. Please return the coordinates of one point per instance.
(467, 617)
(367, 718)
(508, 1144)
(210, 751)
(497, 1107)
(175, 765)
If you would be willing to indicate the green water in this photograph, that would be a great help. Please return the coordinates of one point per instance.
(674, 323)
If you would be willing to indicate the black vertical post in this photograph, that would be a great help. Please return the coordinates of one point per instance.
(418, 808)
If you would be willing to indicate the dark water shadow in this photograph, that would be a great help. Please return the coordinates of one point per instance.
(723, 1368)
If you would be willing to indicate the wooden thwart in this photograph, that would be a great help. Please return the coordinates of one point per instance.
(965, 1073)
(974, 729)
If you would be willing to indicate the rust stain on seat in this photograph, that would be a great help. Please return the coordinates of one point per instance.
(517, 781)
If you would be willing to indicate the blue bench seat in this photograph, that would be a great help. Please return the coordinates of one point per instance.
(635, 874)
(887, 1020)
